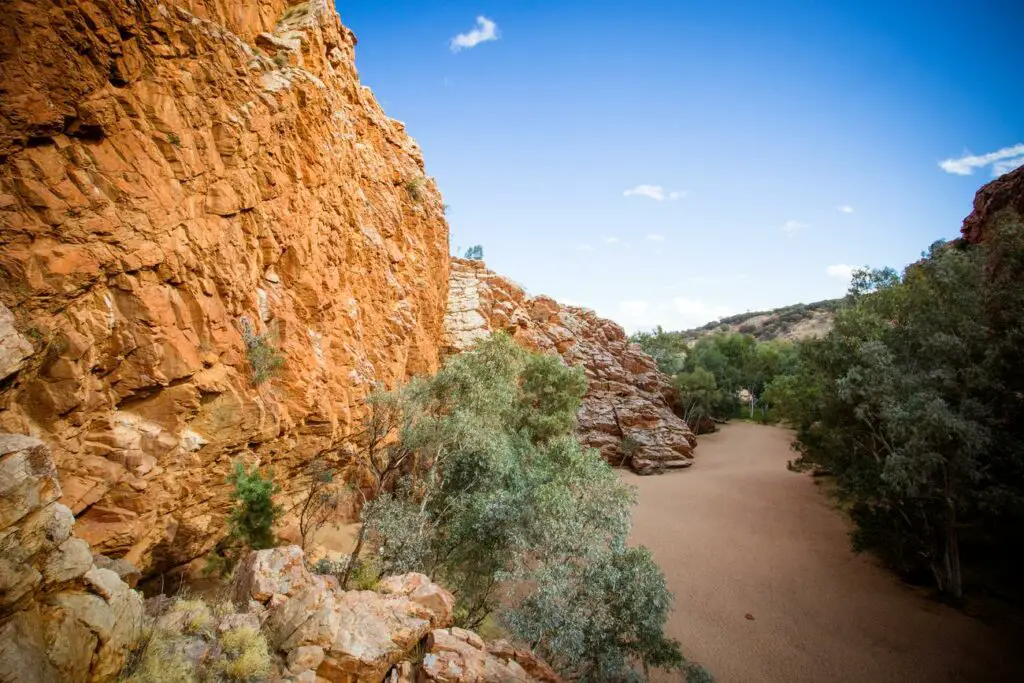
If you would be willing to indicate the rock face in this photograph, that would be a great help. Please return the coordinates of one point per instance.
(625, 413)
(325, 633)
(1005, 192)
(62, 617)
(177, 178)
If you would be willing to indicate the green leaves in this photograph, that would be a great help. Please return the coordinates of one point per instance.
(508, 510)
(253, 513)
(912, 402)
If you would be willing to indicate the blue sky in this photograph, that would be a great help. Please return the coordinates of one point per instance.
(768, 145)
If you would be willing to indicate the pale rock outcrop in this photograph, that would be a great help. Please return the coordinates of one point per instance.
(324, 633)
(455, 655)
(625, 413)
(174, 174)
(63, 617)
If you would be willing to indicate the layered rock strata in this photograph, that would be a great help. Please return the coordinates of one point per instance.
(625, 413)
(192, 190)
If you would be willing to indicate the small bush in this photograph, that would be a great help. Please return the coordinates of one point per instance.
(248, 656)
(474, 253)
(414, 186)
(160, 661)
(365, 576)
(174, 139)
(190, 650)
(254, 513)
(265, 360)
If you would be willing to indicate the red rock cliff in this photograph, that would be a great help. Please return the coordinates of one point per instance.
(1005, 193)
(625, 413)
(172, 174)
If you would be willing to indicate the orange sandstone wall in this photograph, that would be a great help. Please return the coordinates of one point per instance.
(170, 173)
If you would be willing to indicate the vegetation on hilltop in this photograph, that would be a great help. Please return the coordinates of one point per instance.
(794, 322)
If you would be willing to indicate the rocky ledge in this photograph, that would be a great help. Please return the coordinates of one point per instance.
(626, 412)
(401, 632)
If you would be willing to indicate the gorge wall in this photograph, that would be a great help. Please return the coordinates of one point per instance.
(625, 413)
(184, 183)
(174, 176)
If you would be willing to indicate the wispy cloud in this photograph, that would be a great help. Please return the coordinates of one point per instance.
(1002, 161)
(485, 30)
(654, 237)
(610, 240)
(676, 313)
(655, 192)
(840, 271)
(844, 208)
(583, 247)
(794, 226)
(717, 279)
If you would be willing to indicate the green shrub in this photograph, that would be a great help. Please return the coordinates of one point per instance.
(414, 188)
(474, 253)
(501, 504)
(253, 513)
(265, 360)
(174, 139)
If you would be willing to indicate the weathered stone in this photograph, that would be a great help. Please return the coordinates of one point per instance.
(123, 568)
(28, 478)
(627, 400)
(305, 658)
(69, 560)
(456, 656)
(63, 617)
(14, 347)
(275, 571)
(157, 169)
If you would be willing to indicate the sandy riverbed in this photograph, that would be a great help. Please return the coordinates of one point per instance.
(739, 534)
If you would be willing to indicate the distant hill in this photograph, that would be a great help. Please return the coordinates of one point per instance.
(799, 321)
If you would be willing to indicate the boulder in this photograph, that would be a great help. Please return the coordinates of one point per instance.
(455, 655)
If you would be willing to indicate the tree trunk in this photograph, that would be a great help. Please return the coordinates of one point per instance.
(953, 578)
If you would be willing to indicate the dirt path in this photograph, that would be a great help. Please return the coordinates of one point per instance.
(738, 534)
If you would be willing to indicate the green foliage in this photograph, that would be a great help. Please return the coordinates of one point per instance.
(253, 513)
(501, 501)
(915, 402)
(474, 253)
(414, 188)
(709, 373)
(265, 360)
(174, 139)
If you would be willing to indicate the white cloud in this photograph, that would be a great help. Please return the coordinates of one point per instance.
(1007, 165)
(583, 247)
(655, 192)
(845, 208)
(610, 240)
(1002, 161)
(841, 271)
(794, 226)
(655, 238)
(485, 30)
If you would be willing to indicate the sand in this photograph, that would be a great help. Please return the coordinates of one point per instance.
(738, 534)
